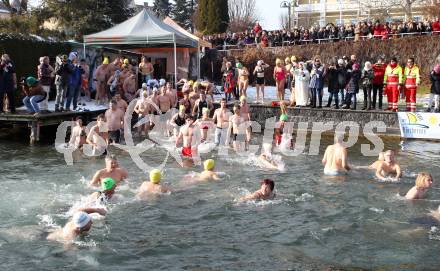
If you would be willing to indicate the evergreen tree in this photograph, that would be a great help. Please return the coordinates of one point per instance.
(218, 17)
(162, 8)
(182, 14)
(82, 17)
(202, 15)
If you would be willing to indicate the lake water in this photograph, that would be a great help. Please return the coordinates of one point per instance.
(315, 222)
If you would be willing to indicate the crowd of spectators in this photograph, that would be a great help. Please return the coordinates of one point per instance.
(315, 34)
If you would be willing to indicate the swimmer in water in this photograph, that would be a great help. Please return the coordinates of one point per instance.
(423, 182)
(335, 158)
(388, 166)
(108, 186)
(111, 170)
(379, 161)
(81, 223)
(153, 186)
(266, 159)
(266, 192)
(208, 174)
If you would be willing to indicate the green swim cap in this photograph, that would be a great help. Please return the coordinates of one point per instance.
(284, 117)
(239, 65)
(107, 184)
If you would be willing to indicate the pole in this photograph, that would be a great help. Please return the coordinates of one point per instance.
(198, 61)
(175, 61)
(84, 53)
(288, 10)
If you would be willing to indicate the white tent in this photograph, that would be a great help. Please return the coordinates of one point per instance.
(143, 30)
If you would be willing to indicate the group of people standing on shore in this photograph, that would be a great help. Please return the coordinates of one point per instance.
(345, 78)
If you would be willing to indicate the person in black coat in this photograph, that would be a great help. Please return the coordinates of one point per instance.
(342, 79)
(435, 89)
(333, 84)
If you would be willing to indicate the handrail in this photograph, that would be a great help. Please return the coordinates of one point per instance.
(230, 47)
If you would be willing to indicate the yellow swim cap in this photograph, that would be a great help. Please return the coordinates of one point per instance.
(155, 176)
(182, 107)
(190, 83)
(126, 62)
(287, 60)
(278, 61)
(293, 59)
(242, 98)
(106, 61)
(209, 164)
(196, 84)
(205, 110)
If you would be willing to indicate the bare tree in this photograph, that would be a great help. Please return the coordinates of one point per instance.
(383, 7)
(242, 14)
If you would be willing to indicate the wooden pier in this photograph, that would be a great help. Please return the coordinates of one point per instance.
(26, 120)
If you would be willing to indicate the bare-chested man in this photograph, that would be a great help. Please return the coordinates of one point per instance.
(221, 118)
(388, 166)
(98, 136)
(121, 104)
(129, 87)
(236, 126)
(244, 112)
(111, 170)
(164, 102)
(102, 74)
(146, 69)
(143, 108)
(115, 122)
(115, 65)
(187, 132)
(205, 124)
(172, 93)
(153, 186)
(125, 73)
(335, 159)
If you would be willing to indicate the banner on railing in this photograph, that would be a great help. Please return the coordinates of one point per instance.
(419, 125)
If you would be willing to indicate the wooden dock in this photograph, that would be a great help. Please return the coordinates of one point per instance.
(26, 120)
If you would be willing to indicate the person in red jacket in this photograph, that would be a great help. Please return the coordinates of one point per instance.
(379, 73)
(377, 30)
(436, 26)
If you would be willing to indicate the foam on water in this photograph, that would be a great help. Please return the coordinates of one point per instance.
(376, 210)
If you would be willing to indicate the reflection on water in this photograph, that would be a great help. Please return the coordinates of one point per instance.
(315, 222)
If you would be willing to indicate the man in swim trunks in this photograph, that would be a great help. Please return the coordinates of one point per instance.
(81, 223)
(236, 123)
(115, 122)
(146, 69)
(335, 158)
(172, 93)
(186, 133)
(108, 186)
(266, 192)
(143, 108)
(111, 170)
(164, 101)
(98, 135)
(153, 186)
(388, 166)
(244, 112)
(102, 74)
(221, 118)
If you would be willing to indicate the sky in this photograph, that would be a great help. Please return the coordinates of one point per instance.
(268, 11)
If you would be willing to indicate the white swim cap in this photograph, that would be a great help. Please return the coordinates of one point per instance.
(144, 85)
(81, 219)
(162, 82)
(260, 62)
(340, 62)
